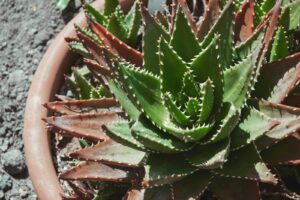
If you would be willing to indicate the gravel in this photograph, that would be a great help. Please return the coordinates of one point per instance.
(27, 27)
(5, 182)
(13, 162)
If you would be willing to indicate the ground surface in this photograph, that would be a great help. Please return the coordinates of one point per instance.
(26, 30)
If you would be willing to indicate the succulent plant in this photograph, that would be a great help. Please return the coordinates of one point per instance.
(208, 104)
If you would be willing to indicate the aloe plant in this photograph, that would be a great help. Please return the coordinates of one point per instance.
(208, 105)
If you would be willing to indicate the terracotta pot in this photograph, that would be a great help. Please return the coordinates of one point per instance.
(47, 80)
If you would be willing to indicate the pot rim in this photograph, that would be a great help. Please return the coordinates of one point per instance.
(46, 82)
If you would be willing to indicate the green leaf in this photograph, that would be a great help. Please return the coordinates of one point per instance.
(179, 116)
(183, 39)
(228, 118)
(207, 100)
(253, 126)
(121, 132)
(102, 92)
(289, 118)
(285, 18)
(116, 28)
(155, 139)
(259, 13)
(188, 134)
(123, 99)
(190, 86)
(95, 14)
(192, 107)
(267, 5)
(244, 49)
(172, 69)
(94, 94)
(250, 167)
(223, 27)
(62, 4)
(83, 84)
(79, 48)
(196, 183)
(119, 13)
(279, 46)
(244, 73)
(83, 143)
(294, 14)
(146, 89)
(277, 111)
(207, 65)
(160, 170)
(209, 156)
(73, 87)
(152, 32)
(88, 33)
(110, 7)
(132, 23)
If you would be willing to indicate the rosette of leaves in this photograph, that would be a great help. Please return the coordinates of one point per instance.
(209, 107)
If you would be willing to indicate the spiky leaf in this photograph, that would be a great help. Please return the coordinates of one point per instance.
(197, 183)
(209, 156)
(224, 27)
(250, 167)
(132, 22)
(210, 57)
(190, 86)
(155, 139)
(110, 7)
(173, 69)
(183, 39)
(95, 14)
(111, 152)
(79, 48)
(153, 31)
(84, 125)
(160, 170)
(228, 119)
(179, 116)
(81, 106)
(146, 89)
(207, 100)
(294, 14)
(116, 27)
(97, 172)
(279, 46)
(247, 132)
(121, 132)
(243, 73)
(83, 84)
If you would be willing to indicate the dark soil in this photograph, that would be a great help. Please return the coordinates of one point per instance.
(26, 30)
